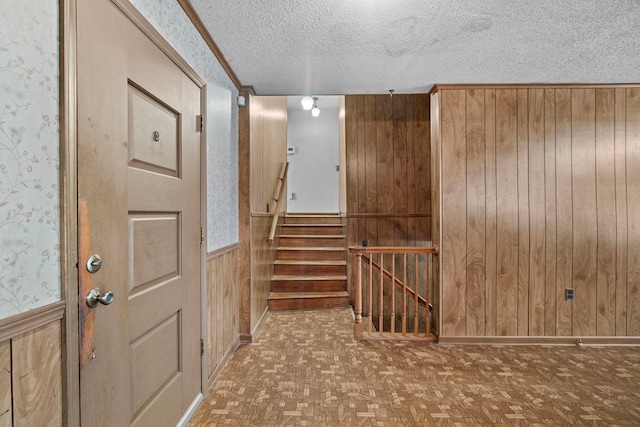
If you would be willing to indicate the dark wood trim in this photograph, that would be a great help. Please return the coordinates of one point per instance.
(541, 340)
(14, 326)
(206, 36)
(466, 86)
(247, 90)
(219, 252)
(388, 215)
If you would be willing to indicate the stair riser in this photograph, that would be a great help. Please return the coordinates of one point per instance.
(311, 230)
(312, 220)
(312, 242)
(311, 255)
(308, 285)
(308, 303)
(310, 270)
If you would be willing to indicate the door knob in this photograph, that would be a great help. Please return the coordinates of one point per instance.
(96, 296)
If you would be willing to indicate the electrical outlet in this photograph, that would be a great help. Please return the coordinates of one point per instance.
(568, 294)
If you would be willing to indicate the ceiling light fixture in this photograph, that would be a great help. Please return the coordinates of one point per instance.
(315, 111)
(307, 103)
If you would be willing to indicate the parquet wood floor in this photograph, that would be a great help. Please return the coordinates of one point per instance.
(306, 369)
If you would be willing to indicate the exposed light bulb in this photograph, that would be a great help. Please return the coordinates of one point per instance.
(307, 103)
(315, 112)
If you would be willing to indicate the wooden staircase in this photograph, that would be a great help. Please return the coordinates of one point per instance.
(311, 268)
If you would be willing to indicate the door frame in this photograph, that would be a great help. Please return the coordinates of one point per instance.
(69, 196)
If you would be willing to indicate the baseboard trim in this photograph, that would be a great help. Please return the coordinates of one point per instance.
(190, 411)
(539, 340)
(216, 372)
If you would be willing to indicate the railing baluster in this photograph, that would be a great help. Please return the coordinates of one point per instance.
(370, 293)
(358, 310)
(393, 294)
(404, 296)
(427, 320)
(381, 302)
(415, 304)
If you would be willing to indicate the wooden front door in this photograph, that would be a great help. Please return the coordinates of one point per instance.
(139, 210)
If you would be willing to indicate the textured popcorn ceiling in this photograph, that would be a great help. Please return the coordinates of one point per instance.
(371, 46)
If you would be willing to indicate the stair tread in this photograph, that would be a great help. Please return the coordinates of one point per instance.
(292, 277)
(307, 295)
(311, 248)
(312, 225)
(316, 236)
(310, 262)
(312, 215)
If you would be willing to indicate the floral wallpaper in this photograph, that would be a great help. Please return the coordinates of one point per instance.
(29, 141)
(222, 117)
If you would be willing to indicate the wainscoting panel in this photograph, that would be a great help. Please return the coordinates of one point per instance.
(31, 368)
(222, 305)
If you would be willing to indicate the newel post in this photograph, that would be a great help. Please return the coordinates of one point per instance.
(358, 308)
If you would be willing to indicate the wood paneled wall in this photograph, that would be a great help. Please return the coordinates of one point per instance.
(262, 150)
(268, 148)
(388, 169)
(222, 306)
(539, 193)
(31, 378)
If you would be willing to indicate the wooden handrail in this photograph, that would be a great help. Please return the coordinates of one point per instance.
(277, 197)
(386, 302)
(393, 249)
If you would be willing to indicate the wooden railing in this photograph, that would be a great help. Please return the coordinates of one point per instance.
(277, 197)
(392, 292)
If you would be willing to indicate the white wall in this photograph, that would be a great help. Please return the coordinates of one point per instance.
(312, 169)
(29, 161)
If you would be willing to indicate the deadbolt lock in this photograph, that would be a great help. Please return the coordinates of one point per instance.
(94, 263)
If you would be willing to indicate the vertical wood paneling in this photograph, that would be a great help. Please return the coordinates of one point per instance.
(370, 131)
(538, 194)
(454, 242)
(551, 290)
(621, 211)
(507, 210)
(400, 185)
(491, 213)
(584, 211)
(476, 208)
(384, 156)
(564, 225)
(523, 214)
(351, 129)
(422, 166)
(537, 213)
(606, 212)
(361, 164)
(410, 173)
(37, 377)
(244, 214)
(633, 201)
(6, 415)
